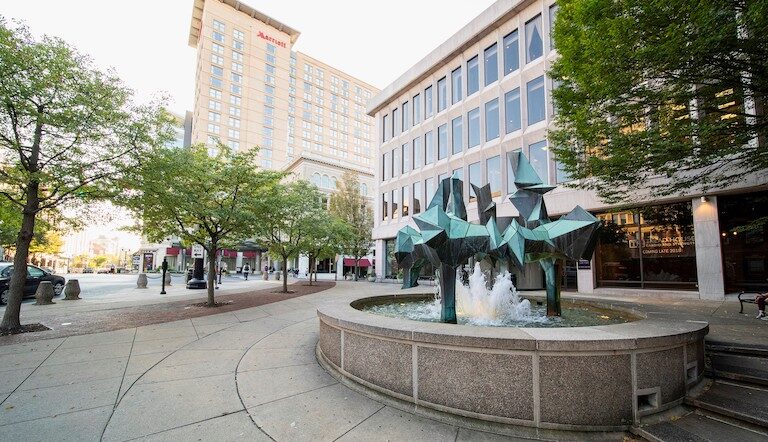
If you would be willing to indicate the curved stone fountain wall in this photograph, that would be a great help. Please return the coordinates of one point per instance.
(599, 378)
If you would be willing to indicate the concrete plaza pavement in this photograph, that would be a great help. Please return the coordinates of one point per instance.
(247, 374)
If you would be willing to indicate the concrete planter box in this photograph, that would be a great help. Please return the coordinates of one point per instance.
(601, 378)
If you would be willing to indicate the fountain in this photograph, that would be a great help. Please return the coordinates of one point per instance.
(485, 353)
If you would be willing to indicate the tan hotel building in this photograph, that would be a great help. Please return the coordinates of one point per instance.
(252, 89)
(483, 94)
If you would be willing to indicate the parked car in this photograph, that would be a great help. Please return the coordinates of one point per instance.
(87, 270)
(35, 275)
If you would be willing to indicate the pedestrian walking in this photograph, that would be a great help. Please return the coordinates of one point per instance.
(246, 271)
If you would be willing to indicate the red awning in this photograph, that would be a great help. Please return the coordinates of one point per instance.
(172, 251)
(229, 253)
(350, 262)
(249, 255)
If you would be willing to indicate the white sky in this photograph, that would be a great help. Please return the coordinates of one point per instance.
(145, 41)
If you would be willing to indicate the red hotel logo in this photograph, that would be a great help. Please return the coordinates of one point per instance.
(271, 39)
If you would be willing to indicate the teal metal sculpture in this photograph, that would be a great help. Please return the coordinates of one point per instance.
(447, 240)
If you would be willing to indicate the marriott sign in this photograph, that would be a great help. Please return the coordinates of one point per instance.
(271, 39)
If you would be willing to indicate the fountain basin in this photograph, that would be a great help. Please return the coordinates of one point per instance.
(601, 378)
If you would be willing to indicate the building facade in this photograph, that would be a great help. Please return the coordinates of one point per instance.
(484, 94)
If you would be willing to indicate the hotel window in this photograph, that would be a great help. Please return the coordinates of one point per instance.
(269, 89)
(385, 206)
(416, 109)
(269, 121)
(407, 157)
(271, 49)
(395, 122)
(417, 197)
(492, 119)
(384, 127)
(442, 94)
(237, 56)
(215, 93)
(456, 94)
(268, 132)
(493, 174)
(397, 163)
(429, 189)
(217, 48)
(534, 44)
(237, 67)
(218, 36)
(217, 59)
(512, 110)
(395, 204)
(406, 200)
(235, 100)
(473, 75)
(442, 142)
(491, 64)
(475, 177)
(236, 89)
(271, 70)
(219, 26)
(215, 105)
(213, 128)
(552, 16)
(213, 116)
(473, 130)
(406, 117)
(234, 145)
(511, 52)
(239, 45)
(234, 122)
(218, 71)
(234, 111)
(429, 147)
(238, 35)
(537, 109)
(511, 171)
(236, 78)
(213, 140)
(418, 153)
(271, 59)
(456, 136)
(537, 155)
(429, 108)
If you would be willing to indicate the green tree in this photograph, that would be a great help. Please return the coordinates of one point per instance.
(213, 201)
(291, 212)
(324, 241)
(351, 207)
(660, 94)
(67, 132)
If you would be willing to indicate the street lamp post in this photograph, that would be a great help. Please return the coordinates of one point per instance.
(165, 269)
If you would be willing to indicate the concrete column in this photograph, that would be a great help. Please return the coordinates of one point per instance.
(340, 267)
(709, 257)
(381, 258)
(585, 279)
(238, 261)
(303, 265)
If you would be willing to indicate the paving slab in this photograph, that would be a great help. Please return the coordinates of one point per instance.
(227, 340)
(77, 426)
(188, 364)
(156, 333)
(259, 387)
(152, 408)
(31, 359)
(89, 354)
(106, 338)
(222, 318)
(161, 345)
(390, 424)
(138, 364)
(51, 375)
(37, 346)
(12, 379)
(319, 415)
(277, 357)
(205, 330)
(466, 435)
(233, 427)
(250, 314)
(44, 402)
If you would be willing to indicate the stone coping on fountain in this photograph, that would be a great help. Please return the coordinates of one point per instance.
(600, 378)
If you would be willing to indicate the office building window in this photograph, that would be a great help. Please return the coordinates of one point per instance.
(534, 44)
(512, 110)
(417, 198)
(395, 122)
(429, 108)
(552, 16)
(387, 166)
(511, 188)
(442, 94)
(406, 200)
(456, 136)
(476, 178)
(213, 116)
(492, 119)
(456, 94)
(473, 75)
(491, 64)
(537, 109)
(442, 142)
(397, 164)
(384, 127)
(418, 153)
(406, 116)
(473, 130)
(537, 155)
(407, 157)
(429, 190)
(493, 174)
(429, 146)
(385, 206)
(561, 175)
(416, 109)
(458, 173)
(511, 52)
(395, 204)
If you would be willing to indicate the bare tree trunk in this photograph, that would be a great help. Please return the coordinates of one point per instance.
(212, 276)
(11, 318)
(285, 274)
(311, 267)
(357, 265)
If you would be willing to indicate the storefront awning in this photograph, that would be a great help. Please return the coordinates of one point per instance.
(172, 251)
(363, 262)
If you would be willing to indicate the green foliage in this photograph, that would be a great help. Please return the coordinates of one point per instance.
(351, 207)
(292, 213)
(214, 201)
(628, 75)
